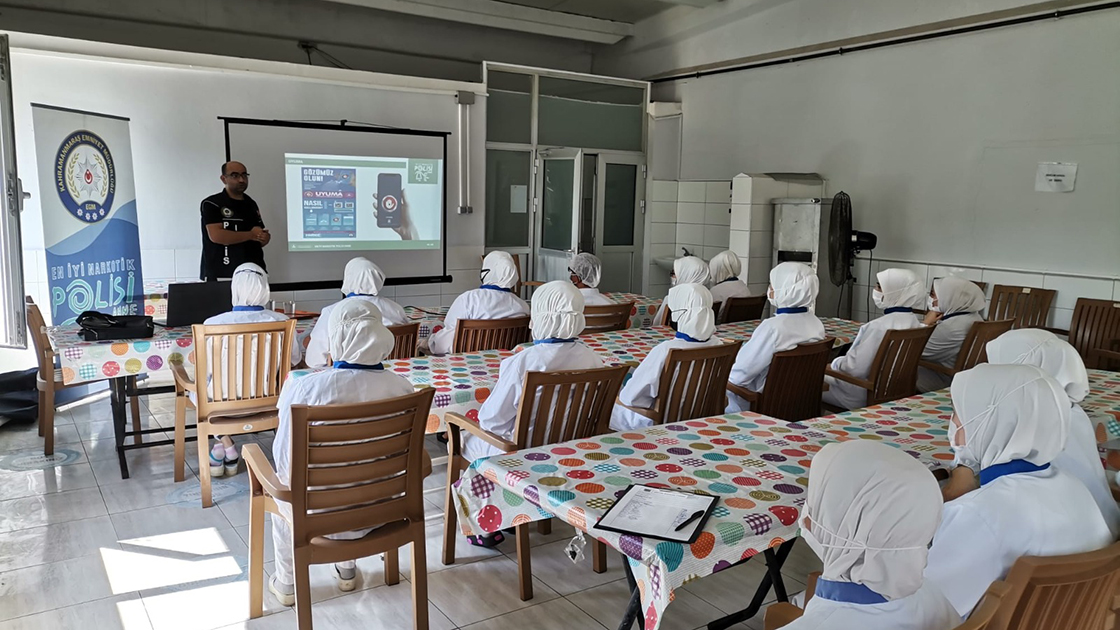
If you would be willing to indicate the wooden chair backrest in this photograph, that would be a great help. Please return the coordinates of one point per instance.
(1027, 307)
(974, 348)
(36, 326)
(983, 616)
(476, 335)
(1095, 324)
(607, 317)
(744, 309)
(795, 381)
(241, 367)
(569, 405)
(894, 372)
(406, 338)
(694, 382)
(357, 466)
(1073, 591)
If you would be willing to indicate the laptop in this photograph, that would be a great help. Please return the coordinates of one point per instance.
(194, 302)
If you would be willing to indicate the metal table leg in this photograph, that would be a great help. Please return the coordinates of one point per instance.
(634, 608)
(773, 577)
(118, 403)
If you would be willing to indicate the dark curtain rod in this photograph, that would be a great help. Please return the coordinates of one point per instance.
(895, 42)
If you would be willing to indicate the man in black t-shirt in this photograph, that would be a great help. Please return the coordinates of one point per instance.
(233, 231)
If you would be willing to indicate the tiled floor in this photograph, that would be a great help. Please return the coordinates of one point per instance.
(82, 549)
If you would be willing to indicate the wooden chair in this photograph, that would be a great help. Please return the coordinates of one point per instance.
(555, 407)
(743, 309)
(406, 339)
(1027, 307)
(48, 380)
(894, 372)
(476, 335)
(607, 317)
(245, 366)
(793, 383)
(1073, 591)
(353, 467)
(692, 384)
(1095, 332)
(974, 348)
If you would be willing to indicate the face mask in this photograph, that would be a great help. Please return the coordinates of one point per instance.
(770, 297)
(811, 539)
(929, 303)
(842, 543)
(964, 454)
(482, 275)
(877, 298)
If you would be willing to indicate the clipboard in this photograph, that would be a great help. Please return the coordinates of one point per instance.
(652, 512)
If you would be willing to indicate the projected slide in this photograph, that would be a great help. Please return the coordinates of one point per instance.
(362, 203)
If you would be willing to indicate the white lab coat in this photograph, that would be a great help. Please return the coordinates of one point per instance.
(1080, 459)
(328, 387)
(775, 334)
(498, 414)
(1043, 513)
(644, 384)
(318, 348)
(722, 291)
(943, 347)
(857, 362)
(926, 609)
(475, 304)
(592, 297)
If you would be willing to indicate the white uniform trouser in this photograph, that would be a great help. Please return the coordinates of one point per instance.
(282, 545)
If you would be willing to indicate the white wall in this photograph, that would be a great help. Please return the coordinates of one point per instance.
(938, 142)
(178, 145)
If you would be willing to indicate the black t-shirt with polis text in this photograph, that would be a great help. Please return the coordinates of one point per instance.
(237, 215)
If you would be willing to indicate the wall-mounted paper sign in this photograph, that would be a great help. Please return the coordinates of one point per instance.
(1055, 177)
(518, 199)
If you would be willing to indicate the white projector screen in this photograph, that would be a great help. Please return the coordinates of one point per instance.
(328, 193)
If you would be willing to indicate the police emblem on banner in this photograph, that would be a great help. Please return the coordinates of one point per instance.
(85, 177)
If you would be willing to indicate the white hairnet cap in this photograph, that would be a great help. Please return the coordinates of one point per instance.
(249, 286)
(1043, 349)
(901, 287)
(690, 305)
(874, 509)
(724, 265)
(690, 270)
(957, 295)
(357, 334)
(587, 268)
(1010, 412)
(795, 285)
(499, 270)
(557, 311)
(362, 277)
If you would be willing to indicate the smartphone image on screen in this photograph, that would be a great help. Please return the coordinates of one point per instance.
(389, 200)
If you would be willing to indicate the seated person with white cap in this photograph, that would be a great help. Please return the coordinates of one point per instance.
(495, 299)
(362, 280)
(586, 271)
(686, 270)
(359, 342)
(724, 269)
(953, 307)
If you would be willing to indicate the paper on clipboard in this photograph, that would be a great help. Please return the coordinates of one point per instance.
(656, 512)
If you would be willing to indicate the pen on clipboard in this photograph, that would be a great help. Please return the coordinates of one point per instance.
(695, 515)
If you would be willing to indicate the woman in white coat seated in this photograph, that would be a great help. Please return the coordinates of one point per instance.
(361, 280)
(557, 320)
(687, 270)
(690, 306)
(953, 308)
(495, 299)
(586, 271)
(250, 294)
(1013, 421)
(870, 514)
(898, 292)
(793, 292)
(359, 342)
(724, 269)
(1044, 350)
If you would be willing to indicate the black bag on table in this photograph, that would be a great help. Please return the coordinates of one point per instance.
(102, 327)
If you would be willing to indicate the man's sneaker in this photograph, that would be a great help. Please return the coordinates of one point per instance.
(347, 578)
(284, 593)
(218, 461)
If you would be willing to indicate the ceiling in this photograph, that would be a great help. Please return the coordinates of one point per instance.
(597, 21)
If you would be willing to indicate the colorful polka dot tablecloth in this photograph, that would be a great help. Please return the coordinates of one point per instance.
(843, 330)
(87, 361)
(462, 381)
(155, 298)
(641, 316)
(1103, 403)
(579, 481)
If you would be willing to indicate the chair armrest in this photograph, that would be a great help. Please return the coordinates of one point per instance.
(743, 392)
(1099, 354)
(1057, 331)
(653, 414)
(848, 378)
(262, 476)
(811, 585)
(936, 367)
(780, 615)
(183, 381)
(456, 422)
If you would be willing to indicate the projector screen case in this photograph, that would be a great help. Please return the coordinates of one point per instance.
(319, 187)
